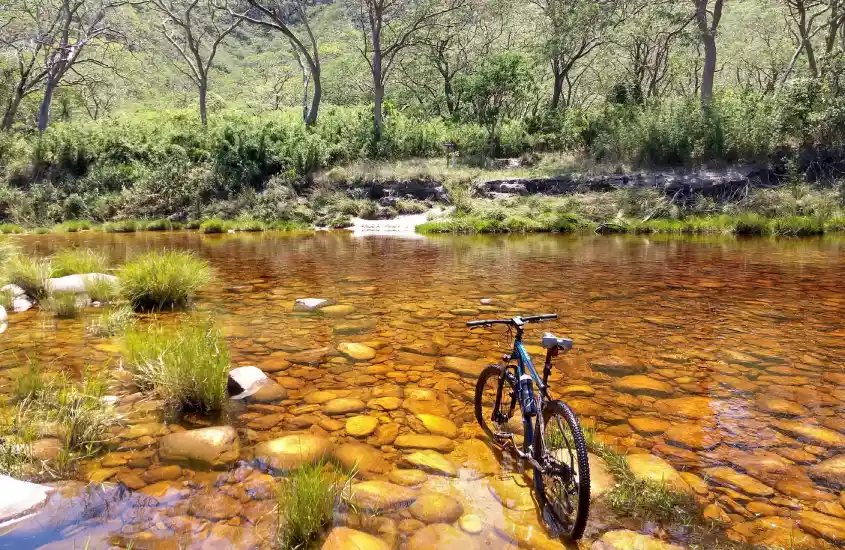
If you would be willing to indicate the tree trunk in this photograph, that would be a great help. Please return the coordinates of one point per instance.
(557, 91)
(449, 93)
(46, 102)
(378, 88)
(11, 110)
(315, 99)
(708, 72)
(203, 88)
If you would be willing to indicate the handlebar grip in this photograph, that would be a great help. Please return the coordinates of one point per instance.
(478, 323)
(540, 317)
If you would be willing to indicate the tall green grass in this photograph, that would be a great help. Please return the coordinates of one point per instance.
(214, 225)
(112, 322)
(31, 274)
(124, 226)
(54, 405)
(63, 305)
(166, 279)
(72, 261)
(72, 226)
(305, 505)
(102, 289)
(187, 366)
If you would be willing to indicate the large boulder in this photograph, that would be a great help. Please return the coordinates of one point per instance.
(20, 498)
(78, 284)
(292, 451)
(3, 315)
(215, 446)
(245, 381)
(380, 495)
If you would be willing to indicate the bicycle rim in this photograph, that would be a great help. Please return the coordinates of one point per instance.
(564, 482)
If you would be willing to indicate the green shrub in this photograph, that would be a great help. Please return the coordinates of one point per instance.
(72, 261)
(158, 225)
(835, 224)
(113, 322)
(214, 226)
(340, 222)
(10, 228)
(73, 226)
(31, 274)
(6, 299)
(750, 224)
(124, 226)
(249, 225)
(63, 305)
(798, 226)
(167, 279)
(187, 365)
(193, 224)
(305, 506)
(411, 206)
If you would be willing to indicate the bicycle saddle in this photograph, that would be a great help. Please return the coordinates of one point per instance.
(551, 341)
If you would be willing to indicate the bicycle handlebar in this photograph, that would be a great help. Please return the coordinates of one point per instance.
(516, 321)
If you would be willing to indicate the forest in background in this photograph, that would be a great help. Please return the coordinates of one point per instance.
(154, 108)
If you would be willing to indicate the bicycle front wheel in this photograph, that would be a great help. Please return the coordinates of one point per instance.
(497, 421)
(563, 482)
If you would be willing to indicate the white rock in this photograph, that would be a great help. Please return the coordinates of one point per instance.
(3, 327)
(77, 283)
(3, 315)
(245, 381)
(310, 304)
(14, 289)
(19, 498)
(21, 304)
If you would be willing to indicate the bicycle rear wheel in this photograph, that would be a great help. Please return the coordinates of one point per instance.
(496, 420)
(563, 483)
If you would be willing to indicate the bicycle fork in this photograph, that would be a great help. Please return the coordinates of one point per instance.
(528, 428)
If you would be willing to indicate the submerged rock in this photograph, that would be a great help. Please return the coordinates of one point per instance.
(291, 451)
(639, 384)
(830, 471)
(356, 352)
(380, 495)
(417, 441)
(464, 367)
(617, 366)
(343, 538)
(513, 492)
(735, 480)
(810, 433)
(367, 459)
(432, 461)
(215, 446)
(440, 536)
(436, 508)
(361, 426)
(624, 539)
(648, 467)
(310, 304)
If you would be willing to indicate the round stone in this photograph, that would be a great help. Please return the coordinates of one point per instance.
(648, 425)
(432, 442)
(648, 467)
(362, 457)
(432, 461)
(343, 538)
(436, 508)
(692, 436)
(408, 478)
(361, 426)
(438, 425)
(343, 405)
(215, 446)
(291, 451)
(440, 536)
(513, 492)
(357, 352)
(214, 506)
(639, 384)
(380, 495)
(471, 524)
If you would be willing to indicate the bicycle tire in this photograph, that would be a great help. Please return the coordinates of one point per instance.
(495, 372)
(575, 530)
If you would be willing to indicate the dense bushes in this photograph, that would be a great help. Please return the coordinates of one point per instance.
(163, 165)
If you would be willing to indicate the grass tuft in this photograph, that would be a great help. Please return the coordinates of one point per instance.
(63, 305)
(73, 261)
(72, 226)
(167, 279)
(123, 226)
(102, 289)
(158, 225)
(187, 366)
(73, 411)
(798, 226)
(31, 274)
(214, 226)
(113, 322)
(10, 228)
(306, 503)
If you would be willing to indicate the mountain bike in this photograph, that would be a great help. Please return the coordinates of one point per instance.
(552, 438)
